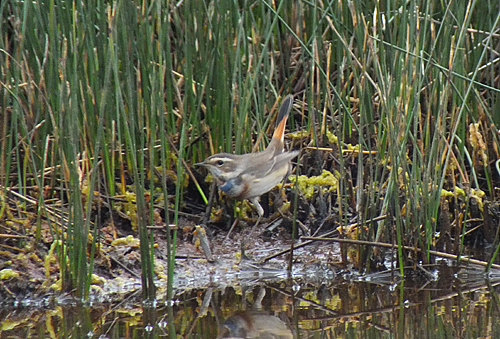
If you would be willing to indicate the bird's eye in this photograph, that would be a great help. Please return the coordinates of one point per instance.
(220, 163)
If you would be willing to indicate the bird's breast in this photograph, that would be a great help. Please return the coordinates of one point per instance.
(235, 187)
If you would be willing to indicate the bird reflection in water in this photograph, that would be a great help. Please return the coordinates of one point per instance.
(254, 325)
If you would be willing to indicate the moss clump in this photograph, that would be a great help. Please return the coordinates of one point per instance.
(327, 181)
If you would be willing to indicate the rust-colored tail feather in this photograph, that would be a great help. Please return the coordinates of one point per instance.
(285, 108)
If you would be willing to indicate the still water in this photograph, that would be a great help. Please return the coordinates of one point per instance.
(434, 303)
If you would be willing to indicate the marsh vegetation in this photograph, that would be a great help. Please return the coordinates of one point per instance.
(105, 106)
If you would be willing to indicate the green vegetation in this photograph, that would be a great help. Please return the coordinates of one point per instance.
(105, 100)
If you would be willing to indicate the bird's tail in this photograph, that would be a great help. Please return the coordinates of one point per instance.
(285, 108)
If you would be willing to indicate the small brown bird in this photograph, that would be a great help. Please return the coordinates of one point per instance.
(254, 325)
(250, 175)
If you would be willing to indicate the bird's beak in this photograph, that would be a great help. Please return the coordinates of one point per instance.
(200, 164)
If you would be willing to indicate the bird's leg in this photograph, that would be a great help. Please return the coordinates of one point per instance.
(231, 229)
(254, 227)
(260, 211)
(243, 240)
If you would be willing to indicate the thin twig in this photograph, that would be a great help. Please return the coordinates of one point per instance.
(305, 243)
(408, 248)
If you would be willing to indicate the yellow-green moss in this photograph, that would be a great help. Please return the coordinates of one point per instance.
(8, 273)
(129, 240)
(307, 185)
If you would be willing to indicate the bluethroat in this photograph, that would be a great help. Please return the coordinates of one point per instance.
(254, 325)
(248, 176)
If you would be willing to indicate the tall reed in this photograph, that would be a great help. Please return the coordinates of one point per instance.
(97, 96)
